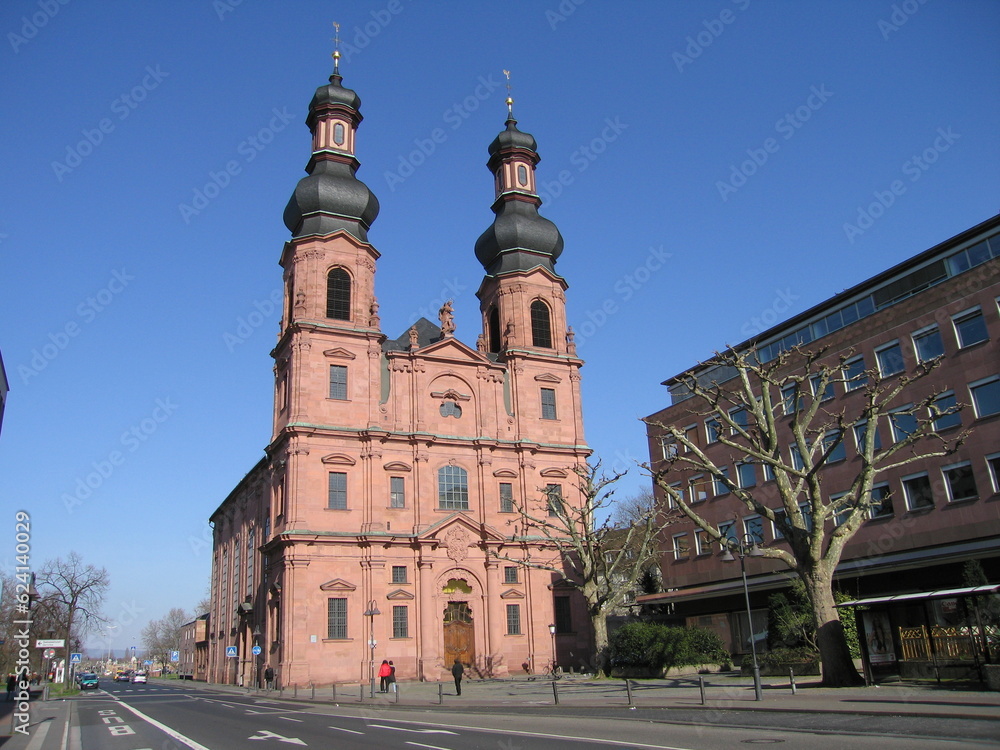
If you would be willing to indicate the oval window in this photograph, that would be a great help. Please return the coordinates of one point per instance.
(338, 134)
(522, 174)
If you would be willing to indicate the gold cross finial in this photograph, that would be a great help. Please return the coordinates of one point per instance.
(336, 48)
(510, 99)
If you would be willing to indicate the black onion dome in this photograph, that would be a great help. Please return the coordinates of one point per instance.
(512, 138)
(333, 93)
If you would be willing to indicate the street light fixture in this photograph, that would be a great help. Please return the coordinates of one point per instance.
(744, 547)
(370, 614)
(552, 633)
(256, 658)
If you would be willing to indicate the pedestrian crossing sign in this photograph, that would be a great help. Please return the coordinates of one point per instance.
(231, 652)
(75, 658)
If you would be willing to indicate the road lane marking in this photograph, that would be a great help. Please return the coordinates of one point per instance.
(165, 729)
(433, 747)
(352, 731)
(407, 729)
(268, 735)
(287, 718)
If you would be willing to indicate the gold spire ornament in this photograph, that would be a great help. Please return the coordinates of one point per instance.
(510, 99)
(336, 48)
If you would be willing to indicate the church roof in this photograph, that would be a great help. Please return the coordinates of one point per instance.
(427, 333)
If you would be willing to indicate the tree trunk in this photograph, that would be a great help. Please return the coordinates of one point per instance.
(599, 622)
(838, 667)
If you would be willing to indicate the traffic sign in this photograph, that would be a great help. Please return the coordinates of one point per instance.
(75, 658)
(231, 652)
(148, 663)
(175, 656)
(49, 653)
(256, 650)
(50, 643)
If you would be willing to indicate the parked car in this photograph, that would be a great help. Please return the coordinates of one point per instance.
(139, 677)
(88, 681)
(122, 677)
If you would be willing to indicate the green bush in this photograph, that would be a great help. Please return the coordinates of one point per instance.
(646, 645)
(780, 656)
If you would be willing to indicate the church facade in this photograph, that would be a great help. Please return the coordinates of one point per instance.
(383, 521)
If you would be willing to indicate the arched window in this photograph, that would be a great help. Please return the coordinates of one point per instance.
(494, 328)
(451, 409)
(541, 325)
(453, 488)
(338, 294)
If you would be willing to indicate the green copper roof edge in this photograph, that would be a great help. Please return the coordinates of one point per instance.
(436, 435)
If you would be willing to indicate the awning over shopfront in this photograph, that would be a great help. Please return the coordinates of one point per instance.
(924, 595)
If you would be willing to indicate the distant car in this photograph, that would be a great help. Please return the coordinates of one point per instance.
(139, 677)
(122, 677)
(88, 681)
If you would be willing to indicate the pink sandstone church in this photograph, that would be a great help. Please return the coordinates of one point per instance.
(382, 522)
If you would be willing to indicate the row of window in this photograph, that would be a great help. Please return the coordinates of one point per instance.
(336, 628)
(400, 574)
(958, 481)
(453, 491)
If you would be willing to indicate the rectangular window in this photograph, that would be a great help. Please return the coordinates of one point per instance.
(338, 382)
(727, 530)
(513, 619)
(993, 463)
(927, 344)
(854, 373)
(564, 617)
(510, 574)
(676, 487)
(881, 503)
(397, 492)
(399, 574)
(668, 447)
(336, 619)
(712, 430)
(745, 475)
(841, 511)
(739, 417)
(453, 488)
(506, 497)
(860, 430)
(337, 499)
(797, 463)
(903, 422)
(807, 515)
(833, 441)
(986, 396)
(702, 542)
(691, 434)
(400, 621)
(970, 328)
(698, 487)
(943, 403)
(681, 548)
(791, 399)
(890, 359)
(754, 526)
(960, 482)
(548, 403)
(719, 485)
(779, 516)
(917, 490)
(555, 500)
(816, 382)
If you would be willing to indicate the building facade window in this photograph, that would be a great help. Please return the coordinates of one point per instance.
(941, 404)
(986, 396)
(796, 457)
(719, 483)
(780, 517)
(917, 491)
(712, 430)
(702, 542)
(903, 422)
(860, 431)
(541, 325)
(453, 488)
(727, 530)
(834, 443)
(791, 398)
(698, 488)
(754, 527)
(554, 499)
(993, 464)
(960, 482)
(493, 319)
(451, 409)
(338, 294)
(807, 515)
(970, 328)
(399, 574)
(564, 614)
(400, 621)
(881, 502)
(506, 497)
(739, 417)
(397, 492)
(510, 574)
(338, 382)
(513, 619)
(681, 547)
(548, 403)
(745, 475)
(816, 382)
(927, 344)
(336, 619)
(337, 494)
(890, 359)
(841, 511)
(854, 373)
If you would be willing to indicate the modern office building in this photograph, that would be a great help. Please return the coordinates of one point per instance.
(379, 524)
(928, 518)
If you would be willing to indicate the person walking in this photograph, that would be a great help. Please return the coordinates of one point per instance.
(11, 684)
(457, 670)
(269, 677)
(392, 676)
(383, 677)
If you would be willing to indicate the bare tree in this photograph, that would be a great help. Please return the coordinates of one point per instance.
(748, 409)
(162, 636)
(72, 594)
(604, 567)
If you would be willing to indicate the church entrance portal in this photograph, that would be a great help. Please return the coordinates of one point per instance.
(459, 637)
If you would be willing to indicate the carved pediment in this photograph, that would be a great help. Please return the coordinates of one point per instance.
(552, 471)
(562, 584)
(508, 473)
(397, 466)
(548, 377)
(339, 458)
(338, 353)
(511, 594)
(338, 584)
(451, 394)
(474, 532)
(399, 595)
(453, 349)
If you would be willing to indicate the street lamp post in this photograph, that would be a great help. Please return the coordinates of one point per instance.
(256, 658)
(370, 614)
(552, 633)
(745, 547)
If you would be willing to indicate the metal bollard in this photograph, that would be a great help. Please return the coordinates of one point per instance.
(791, 679)
(628, 690)
(333, 687)
(295, 690)
(362, 694)
(701, 687)
(395, 689)
(440, 693)
(311, 685)
(555, 692)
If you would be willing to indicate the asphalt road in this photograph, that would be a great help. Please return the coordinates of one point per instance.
(141, 717)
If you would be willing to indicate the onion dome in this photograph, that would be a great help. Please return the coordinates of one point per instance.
(331, 198)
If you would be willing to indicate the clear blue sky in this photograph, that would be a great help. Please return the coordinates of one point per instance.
(701, 160)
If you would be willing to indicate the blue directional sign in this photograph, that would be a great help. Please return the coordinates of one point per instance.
(256, 650)
(148, 663)
(175, 656)
(75, 658)
(231, 652)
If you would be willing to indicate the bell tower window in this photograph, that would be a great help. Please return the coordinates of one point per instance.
(541, 325)
(494, 324)
(338, 294)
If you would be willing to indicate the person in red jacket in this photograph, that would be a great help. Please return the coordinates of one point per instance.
(383, 676)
